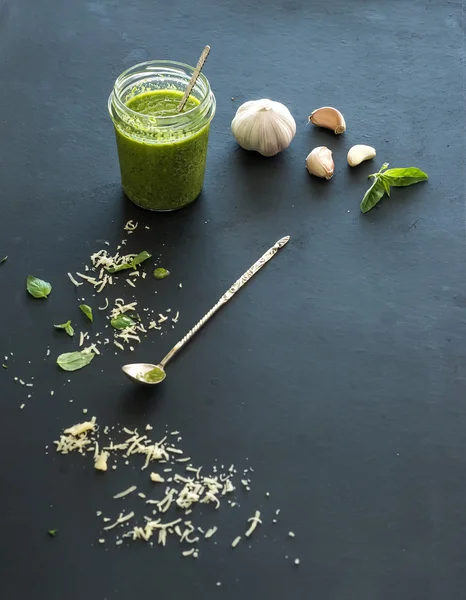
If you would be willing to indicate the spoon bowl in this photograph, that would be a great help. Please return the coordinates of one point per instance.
(145, 373)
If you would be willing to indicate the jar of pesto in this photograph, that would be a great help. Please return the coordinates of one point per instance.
(162, 152)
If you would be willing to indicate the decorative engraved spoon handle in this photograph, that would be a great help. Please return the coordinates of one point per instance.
(227, 296)
(192, 81)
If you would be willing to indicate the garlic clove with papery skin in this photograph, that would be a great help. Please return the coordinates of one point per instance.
(319, 162)
(330, 118)
(263, 125)
(359, 153)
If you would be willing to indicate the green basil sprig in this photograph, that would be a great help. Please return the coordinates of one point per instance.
(67, 327)
(385, 179)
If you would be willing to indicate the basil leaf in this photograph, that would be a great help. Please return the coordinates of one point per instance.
(161, 273)
(372, 196)
(38, 287)
(67, 327)
(4, 259)
(122, 322)
(72, 361)
(141, 257)
(52, 532)
(155, 375)
(386, 185)
(405, 177)
(137, 260)
(87, 310)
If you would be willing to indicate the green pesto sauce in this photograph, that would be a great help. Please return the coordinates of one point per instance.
(155, 375)
(167, 173)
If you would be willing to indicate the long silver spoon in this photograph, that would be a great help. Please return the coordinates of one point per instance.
(152, 374)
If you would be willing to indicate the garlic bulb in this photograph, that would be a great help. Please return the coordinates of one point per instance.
(263, 125)
(359, 153)
(330, 118)
(320, 162)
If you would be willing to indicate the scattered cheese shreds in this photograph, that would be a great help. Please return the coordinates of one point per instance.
(131, 225)
(124, 493)
(121, 519)
(80, 428)
(210, 532)
(255, 521)
(182, 491)
(105, 305)
(73, 280)
(100, 463)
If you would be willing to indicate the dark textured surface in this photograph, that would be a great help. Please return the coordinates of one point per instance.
(339, 372)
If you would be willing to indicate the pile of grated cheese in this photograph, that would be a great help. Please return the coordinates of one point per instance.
(178, 486)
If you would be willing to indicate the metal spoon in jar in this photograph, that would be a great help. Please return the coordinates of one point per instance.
(150, 374)
(192, 81)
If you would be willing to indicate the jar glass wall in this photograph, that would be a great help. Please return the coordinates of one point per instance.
(162, 153)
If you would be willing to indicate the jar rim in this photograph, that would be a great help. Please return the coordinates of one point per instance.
(141, 67)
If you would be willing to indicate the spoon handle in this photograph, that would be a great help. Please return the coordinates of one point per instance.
(227, 296)
(192, 81)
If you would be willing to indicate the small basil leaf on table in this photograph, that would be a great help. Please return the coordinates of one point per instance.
(122, 322)
(4, 259)
(87, 310)
(52, 532)
(161, 273)
(38, 287)
(404, 177)
(372, 196)
(141, 257)
(72, 361)
(67, 327)
(137, 260)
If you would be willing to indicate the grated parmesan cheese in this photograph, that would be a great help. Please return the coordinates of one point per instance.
(80, 428)
(124, 493)
(100, 463)
(121, 519)
(255, 521)
(105, 305)
(210, 532)
(73, 280)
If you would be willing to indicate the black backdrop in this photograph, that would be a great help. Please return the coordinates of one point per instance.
(339, 373)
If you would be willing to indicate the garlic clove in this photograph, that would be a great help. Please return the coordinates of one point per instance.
(359, 153)
(320, 162)
(264, 126)
(330, 118)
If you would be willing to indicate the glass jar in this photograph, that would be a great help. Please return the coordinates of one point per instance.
(162, 153)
